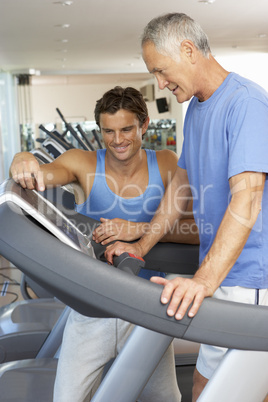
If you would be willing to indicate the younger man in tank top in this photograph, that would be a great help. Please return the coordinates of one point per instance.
(122, 187)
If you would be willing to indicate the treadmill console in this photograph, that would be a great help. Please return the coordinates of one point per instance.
(43, 211)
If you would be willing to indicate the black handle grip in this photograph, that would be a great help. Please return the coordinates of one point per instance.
(129, 263)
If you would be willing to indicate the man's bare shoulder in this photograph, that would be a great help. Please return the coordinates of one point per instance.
(167, 158)
(167, 162)
(78, 156)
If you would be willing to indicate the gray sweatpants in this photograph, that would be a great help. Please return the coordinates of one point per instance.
(88, 344)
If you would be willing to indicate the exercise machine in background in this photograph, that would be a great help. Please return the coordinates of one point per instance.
(82, 140)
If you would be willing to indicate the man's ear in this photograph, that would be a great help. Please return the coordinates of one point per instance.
(189, 50)
(145, 125)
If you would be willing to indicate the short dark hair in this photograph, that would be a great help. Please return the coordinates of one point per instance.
(122, 98)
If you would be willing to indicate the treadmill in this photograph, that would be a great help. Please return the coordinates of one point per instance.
(233, 325)
(25, 325)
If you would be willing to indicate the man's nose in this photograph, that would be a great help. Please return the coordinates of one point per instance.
(118, 137)
(162, 83)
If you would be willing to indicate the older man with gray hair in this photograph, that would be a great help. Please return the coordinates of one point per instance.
(224, 163)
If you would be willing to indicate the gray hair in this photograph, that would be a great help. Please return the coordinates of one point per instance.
(168, 31)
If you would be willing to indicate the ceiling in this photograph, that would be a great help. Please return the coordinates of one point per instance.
(103, 35)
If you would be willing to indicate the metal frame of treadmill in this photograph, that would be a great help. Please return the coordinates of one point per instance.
(227, 324)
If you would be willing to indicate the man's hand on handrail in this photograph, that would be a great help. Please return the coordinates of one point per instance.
(25, 170)
(119, 248)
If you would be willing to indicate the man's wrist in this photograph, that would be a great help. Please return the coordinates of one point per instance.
(145, 244)
(205, 276)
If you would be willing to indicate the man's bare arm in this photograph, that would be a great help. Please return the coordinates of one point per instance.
(184, 230)
(172, 206)
(237, 223)
(27, 172)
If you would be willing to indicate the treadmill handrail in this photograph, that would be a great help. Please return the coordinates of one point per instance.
(81, 282)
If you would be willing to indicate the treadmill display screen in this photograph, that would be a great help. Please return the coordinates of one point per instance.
(44, 212)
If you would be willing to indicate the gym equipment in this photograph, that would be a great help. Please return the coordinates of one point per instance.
(96, 136)
(64, 198)
(42, 155)
(232, 325)
(25, 325)
(69, 127)
(52, 147)
(83, 135)
(55, 144)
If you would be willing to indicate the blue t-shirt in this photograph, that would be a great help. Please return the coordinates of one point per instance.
(224, 136)
(102, 202)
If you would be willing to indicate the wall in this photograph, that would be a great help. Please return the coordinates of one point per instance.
(76, 97)
(253, 66)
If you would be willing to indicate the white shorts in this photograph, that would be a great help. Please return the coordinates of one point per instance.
(210, 356)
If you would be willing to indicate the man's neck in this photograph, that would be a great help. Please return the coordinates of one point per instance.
(127, 178)
(212, 75)
(125, 168)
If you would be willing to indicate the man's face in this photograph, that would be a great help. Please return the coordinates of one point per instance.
(176, 75)
(122, 133)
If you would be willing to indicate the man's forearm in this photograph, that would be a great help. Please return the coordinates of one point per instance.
(172, 207)
(155, 231)
(183, 231)
(160, 225)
